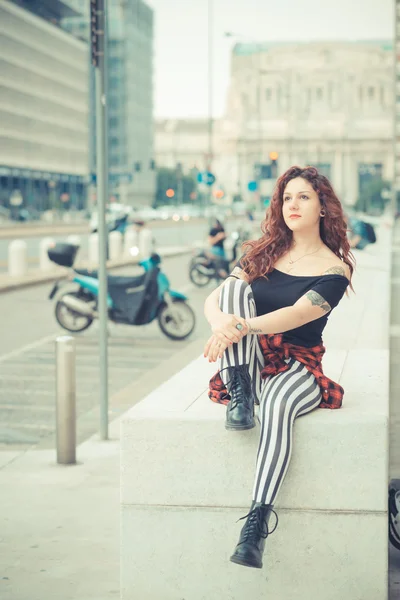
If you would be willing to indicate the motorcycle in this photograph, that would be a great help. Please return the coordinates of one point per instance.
(204, 266)
(136, 300)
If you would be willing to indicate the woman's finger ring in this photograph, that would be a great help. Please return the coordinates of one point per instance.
(239, 326)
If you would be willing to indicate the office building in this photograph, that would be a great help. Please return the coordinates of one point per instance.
(43, 108)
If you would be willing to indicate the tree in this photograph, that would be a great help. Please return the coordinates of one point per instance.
(374, 196)
(167, 179)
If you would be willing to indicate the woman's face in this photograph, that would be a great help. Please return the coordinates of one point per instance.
(300, 205)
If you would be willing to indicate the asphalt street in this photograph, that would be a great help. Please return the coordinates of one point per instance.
(27, 359)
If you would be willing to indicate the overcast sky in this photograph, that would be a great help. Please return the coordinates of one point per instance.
(181, 40)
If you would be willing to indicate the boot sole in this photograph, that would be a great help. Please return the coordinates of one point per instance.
(243, 563)
(239, 427)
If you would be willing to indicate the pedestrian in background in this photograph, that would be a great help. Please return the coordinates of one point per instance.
(216, 238)
(267, 321)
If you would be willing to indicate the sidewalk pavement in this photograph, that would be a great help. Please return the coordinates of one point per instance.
(59, 525)
(37, 276)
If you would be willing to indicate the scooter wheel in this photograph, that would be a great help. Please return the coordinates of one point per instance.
(199, 278)
(179, 323)
(69, 319)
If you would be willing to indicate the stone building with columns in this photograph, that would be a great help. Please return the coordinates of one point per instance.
(328, 104)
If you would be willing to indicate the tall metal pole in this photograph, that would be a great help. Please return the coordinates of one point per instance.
(396, 112)
(210, 97)
(99, 45)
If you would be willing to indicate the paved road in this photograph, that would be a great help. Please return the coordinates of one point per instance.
(27, 363)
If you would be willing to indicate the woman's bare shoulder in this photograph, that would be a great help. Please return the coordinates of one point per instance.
(334, 266)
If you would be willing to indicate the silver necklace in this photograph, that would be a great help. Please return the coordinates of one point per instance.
(291, 262)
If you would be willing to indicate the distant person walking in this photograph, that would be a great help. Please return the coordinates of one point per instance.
(216, 239)
(360, 233)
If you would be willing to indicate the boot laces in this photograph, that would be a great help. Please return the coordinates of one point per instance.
(238, 383)
(257, 525)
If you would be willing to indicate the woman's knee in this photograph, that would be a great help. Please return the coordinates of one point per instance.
(233, 290)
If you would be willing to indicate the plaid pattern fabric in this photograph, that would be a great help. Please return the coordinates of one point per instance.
(275, 351)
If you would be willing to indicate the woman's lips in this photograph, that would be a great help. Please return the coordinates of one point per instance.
(294, 217)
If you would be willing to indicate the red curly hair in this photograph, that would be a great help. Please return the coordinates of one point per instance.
(262, 254)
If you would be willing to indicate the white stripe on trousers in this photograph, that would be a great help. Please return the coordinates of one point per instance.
(282, 397)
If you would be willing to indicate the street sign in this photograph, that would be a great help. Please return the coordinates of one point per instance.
(206, 177)
(252, 186)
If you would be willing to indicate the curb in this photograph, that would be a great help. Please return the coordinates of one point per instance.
(43, 230)
(60, 273)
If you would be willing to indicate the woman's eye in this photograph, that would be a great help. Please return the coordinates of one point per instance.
(304, 196)
(287, 198)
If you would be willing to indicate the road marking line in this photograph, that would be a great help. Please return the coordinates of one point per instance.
(27, 347)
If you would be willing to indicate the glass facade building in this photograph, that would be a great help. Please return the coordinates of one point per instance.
(43, 107)
(129, 96)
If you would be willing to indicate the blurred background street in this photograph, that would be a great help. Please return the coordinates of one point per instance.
(205, 106)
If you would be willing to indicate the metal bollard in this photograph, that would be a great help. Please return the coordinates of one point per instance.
(94, 249)
(145, 242)
(17, 258)
(115, 245)
(45, 263)
(66, 400)
(130, 240)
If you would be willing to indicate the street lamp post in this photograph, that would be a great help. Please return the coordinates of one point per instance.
(210, 97)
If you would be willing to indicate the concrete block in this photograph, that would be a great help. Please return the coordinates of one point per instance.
(185, 480)
(174, 553)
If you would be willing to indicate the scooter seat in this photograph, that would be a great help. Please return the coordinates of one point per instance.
(115, 280)
(123, 281)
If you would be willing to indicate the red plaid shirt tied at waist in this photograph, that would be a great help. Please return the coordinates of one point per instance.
(275, 351)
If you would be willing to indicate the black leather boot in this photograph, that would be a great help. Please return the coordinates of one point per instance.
(250, 548)
(240, 410)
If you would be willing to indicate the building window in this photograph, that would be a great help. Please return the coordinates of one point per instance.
(371, 93)
(360, 94)
(319, 94)
(268, 94)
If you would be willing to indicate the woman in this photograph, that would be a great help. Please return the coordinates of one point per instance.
(267, 320)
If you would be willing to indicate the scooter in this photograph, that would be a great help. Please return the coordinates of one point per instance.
(204, 266)
(135, 300)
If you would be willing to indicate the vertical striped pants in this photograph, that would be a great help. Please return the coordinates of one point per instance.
(281, 397)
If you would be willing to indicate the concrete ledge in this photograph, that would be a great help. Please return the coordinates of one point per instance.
(175, 553)
(185, 480)
(38, 277)
(188, 435)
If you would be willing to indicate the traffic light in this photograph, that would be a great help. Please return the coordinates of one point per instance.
(93, 32)
(96, 30)
(274, 164)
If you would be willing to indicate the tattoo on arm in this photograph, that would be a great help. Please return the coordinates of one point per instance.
(237, 273)
(317, 300)
(255, 331)
(336, 271)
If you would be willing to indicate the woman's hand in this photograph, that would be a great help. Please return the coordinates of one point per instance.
(214, 349)
(225, 330)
